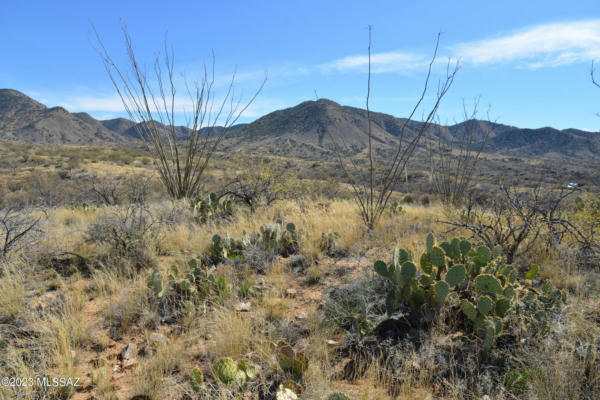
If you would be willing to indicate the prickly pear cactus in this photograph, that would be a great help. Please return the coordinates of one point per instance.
(291, 360)
(248, 368)
(205, 208)
(471, 279)
(197, 379)
(226, 370)
(338, 396)
(155, 283)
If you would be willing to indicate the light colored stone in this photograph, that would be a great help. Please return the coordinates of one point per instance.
(285, 394)
(301, 315)
(243, 306)
(157, 338)
(128, 351)
(129, 363)
(291, 292)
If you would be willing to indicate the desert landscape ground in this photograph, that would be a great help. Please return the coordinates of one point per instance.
(170, 231)
(268, 288)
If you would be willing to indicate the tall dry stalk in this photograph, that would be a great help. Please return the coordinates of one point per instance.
(452, 165)
(181, 153)
(373, 193)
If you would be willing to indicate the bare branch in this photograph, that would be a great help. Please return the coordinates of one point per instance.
(181, 154)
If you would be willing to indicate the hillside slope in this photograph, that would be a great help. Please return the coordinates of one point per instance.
(309, 130)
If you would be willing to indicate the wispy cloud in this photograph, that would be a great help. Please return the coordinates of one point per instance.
(538, 46)
(392, 61)
(107, 107)
(264, 105)
(111, 104)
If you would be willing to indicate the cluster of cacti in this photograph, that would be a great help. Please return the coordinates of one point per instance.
(328, 243)
(228, 371)
(275, 236)
(196, 283)
(471, 279)
(206, 207)
(225, 248)
(396, 208)
(290, 360)
(272, 237)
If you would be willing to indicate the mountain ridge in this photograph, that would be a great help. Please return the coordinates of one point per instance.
(306, 129)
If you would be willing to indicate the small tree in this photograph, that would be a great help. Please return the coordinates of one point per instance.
(260, 184)
(515, 219)
(17, 230)
(373, 192)
(181, 154)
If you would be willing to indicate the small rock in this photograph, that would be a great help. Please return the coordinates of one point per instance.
(285, 394)
(129, 363)
(127, 352)
(116, 368)
(331, 342)
(243, 306)
(291, 292)
(157, 338)
(301, 315)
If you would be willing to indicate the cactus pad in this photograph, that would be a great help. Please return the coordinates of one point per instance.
(486, 283)
(468, 309)
(532, 273)
(408, 272)
(155, 283)
(465, 246)
(485, 305)
(456, 275)
(226, 370)
(197, 379)
(429, 242)
(436, 256)
(338, 396)
(502, 306)
(441, 289)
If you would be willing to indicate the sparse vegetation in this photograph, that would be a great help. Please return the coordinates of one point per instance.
(253, 276)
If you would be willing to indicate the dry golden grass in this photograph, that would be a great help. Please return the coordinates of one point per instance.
(208, 332)
(153, 377)
(12, 293)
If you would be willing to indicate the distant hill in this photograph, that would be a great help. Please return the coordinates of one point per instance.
(24, 119)
(304, 130)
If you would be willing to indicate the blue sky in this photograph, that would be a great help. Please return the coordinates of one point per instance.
(528, 60)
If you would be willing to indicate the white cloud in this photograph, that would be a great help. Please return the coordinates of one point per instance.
(93, 104)
(105, 107)
(392, 61)
(262, 106)
(538, 46)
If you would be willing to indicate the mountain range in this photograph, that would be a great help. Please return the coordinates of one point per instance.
(305, 130)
